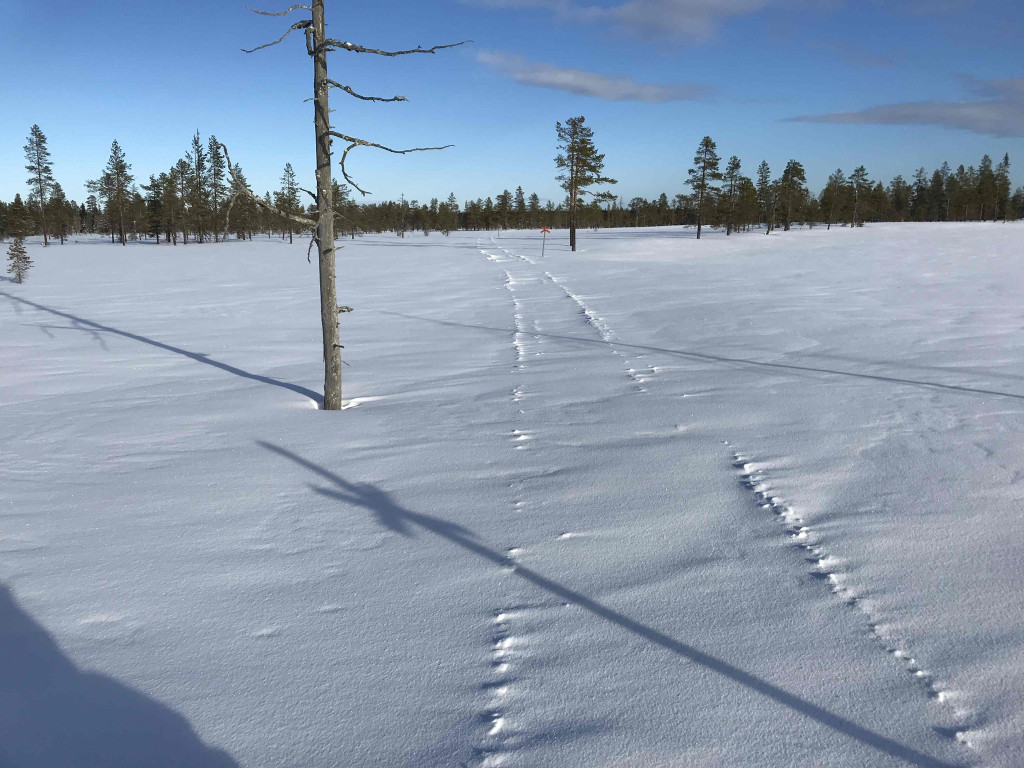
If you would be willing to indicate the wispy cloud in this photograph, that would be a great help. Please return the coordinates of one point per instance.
(852, 53)
(586, 83)
(694, 20)
(997, 109)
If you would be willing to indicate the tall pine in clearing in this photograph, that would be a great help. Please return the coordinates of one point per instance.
(581, 167)
(40, 178)
(702, 177)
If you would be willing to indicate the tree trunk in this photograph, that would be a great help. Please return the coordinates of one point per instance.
(325, 218)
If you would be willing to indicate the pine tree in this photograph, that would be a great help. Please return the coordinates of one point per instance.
(533, 210)
(40, 173)
(154, 206)
(766, 195)
(859, 185)
(218, 184)
(56, 212)
(453, 213)
(114, 188)
(702, 175)
(732, 177)
(182, 172)
(287, 198)
(520, 208)
(987, 189)
(503, 206)
(791, 190)
(198, 186)
(900, 198)
(581, 167)
(832, 197)
(1003, 197)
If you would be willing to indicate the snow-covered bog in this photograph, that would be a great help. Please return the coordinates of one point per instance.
(748, 501)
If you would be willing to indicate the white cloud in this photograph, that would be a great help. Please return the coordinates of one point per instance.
(586, 83)
(996, 110)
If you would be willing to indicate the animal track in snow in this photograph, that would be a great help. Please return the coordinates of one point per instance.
(828, 568)
(595, 321)
(494, 717)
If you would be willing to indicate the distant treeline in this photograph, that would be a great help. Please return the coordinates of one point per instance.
(191, 202)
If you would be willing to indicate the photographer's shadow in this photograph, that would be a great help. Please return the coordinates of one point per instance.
(54, 714)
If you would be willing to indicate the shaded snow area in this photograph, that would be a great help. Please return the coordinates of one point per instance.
(748, 501)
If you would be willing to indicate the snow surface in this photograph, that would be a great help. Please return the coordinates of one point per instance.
(748, 501)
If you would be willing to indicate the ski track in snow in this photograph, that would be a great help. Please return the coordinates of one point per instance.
(828, 568)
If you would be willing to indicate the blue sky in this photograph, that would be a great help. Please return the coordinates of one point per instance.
(894, 85)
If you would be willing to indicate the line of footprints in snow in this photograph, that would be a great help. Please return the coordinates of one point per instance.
(826, 568)
(589, 316)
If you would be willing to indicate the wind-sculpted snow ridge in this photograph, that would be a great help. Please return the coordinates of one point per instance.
(829, 568)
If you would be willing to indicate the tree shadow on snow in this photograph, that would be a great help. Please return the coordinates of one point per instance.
(406, 522)
(54, 714)
(705, 357)
(80, 324)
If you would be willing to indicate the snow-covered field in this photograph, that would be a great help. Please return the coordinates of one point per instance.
(748, 501)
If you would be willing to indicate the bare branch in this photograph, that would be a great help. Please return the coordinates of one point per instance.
(243, 189)
(354, 142)
(350, 92)
(305, 24)
(282, 13)
(330, 44)
(303, 189)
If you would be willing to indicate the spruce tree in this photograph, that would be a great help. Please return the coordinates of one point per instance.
(40, 173)
(581, 167)
(18, 261)
(703, 175)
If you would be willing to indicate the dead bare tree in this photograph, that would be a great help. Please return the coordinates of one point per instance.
(318, 45)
